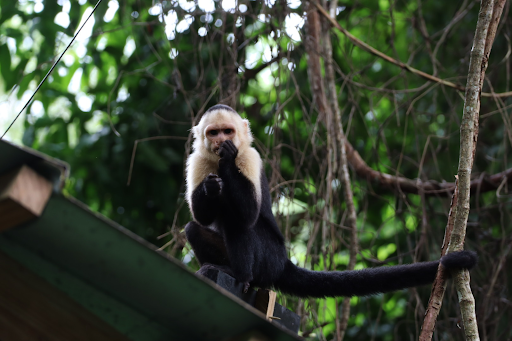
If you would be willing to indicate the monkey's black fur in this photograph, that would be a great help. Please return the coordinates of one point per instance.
(247, 243)
(220, 107)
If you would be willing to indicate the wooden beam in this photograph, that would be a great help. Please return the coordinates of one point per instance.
(23, 196)
(266, 302)
(32, 309)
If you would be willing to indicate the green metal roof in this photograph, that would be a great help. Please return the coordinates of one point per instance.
(144, 293)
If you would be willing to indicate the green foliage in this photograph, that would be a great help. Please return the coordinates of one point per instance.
(137, 74)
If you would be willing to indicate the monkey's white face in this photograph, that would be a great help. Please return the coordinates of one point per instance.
(217, 133)
(219, 126)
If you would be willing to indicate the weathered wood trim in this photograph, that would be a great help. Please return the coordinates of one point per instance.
(23, 196)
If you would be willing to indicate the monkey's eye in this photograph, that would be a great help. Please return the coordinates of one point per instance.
(213, 132)
(228, 131)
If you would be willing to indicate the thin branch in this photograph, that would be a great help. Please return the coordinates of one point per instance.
(468, 137)
(144, 140)
(340, 138)
(252, 73)
(478, 65)
(398, 63)
(439, 286)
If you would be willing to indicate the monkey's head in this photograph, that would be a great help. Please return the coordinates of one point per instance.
(218, 124)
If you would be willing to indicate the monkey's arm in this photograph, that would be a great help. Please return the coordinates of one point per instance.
(238, 192)
(205, 200)
(239, 213)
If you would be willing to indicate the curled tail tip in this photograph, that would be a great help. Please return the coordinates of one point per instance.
(460, 259)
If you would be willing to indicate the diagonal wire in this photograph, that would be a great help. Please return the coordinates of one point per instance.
(53, 67)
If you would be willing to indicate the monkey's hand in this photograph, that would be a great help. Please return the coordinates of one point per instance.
(227, 152)
(212, 185)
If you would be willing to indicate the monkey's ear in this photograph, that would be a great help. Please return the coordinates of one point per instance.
(247, 130)
(196, 132)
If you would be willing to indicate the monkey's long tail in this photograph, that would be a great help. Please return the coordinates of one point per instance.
(305, 283)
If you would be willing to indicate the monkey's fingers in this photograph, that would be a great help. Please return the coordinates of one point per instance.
(213, 186)
(246, 287)
(228, 150)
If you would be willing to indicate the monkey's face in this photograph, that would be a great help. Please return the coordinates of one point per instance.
(216, 133)
(219, 126)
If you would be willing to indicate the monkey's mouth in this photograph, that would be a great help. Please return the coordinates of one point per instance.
(216, 150)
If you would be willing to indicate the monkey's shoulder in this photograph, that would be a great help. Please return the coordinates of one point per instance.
(250, 165)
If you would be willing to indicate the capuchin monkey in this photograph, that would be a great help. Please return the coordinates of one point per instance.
(235, 231)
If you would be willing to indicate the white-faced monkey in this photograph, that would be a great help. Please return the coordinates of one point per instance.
(235, 231)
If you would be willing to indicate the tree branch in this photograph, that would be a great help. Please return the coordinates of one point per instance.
(430, 187)
(468, 137)
(398, 63)
(488, 20)
(252, 73)
(439, 286)
(339, 137)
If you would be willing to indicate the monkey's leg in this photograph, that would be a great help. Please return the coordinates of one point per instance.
(208, 245)
(207, 266)
(241, 248)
